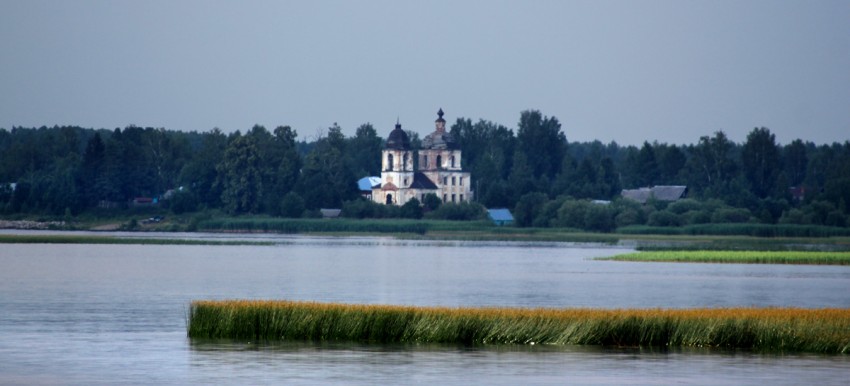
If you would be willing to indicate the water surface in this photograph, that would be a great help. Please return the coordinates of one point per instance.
(107, 314)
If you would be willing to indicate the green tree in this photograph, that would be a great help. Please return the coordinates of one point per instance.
(200, 174)
(542, 142)
(365, 149)
(760, 161)
(711, 167)
(327, 179)
(292, 205)
(796, 161)
(241, 175)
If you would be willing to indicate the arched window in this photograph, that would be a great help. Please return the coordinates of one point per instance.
(404, 162)
(389, 198)
(453, 161)
(425, 161)
(439, 162)
(389, 162)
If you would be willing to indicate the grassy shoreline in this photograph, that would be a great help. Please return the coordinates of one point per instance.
(758, 329)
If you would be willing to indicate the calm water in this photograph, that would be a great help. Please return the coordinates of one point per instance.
(108, 314)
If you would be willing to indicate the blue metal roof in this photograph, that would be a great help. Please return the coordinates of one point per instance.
(500, 215)
(366, 183)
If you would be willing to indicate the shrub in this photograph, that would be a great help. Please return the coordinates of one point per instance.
(411, 209)
(685, 205)
(292, 205)
(628, 217)
(464, 211)
(528, 208)
(731, 215)
(664, 218)
(696, 217)
(571, 214)
(599, 218)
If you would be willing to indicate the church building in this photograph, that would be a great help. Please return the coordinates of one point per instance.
(439, 169)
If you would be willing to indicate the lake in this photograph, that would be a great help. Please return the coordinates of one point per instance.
(116, 314)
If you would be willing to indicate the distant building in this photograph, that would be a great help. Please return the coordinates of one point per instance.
(366, 184)
(500, 217)
(660, 193)
(439, 171)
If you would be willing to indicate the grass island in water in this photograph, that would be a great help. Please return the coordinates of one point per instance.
(742, 257)
(759, 329)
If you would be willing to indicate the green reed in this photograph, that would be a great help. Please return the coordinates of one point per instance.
(743, 257)
(760, 329)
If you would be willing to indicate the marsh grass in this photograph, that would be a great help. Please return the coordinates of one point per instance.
(740, 257)
(292, 226)
(88, 239)
(760, 329)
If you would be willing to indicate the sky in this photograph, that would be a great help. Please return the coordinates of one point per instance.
(624, 71)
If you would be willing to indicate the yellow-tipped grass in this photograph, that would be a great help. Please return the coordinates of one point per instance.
(744, 257)
(761, 329)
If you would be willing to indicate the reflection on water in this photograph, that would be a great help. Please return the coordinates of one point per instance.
(106, 314)
(431, 364)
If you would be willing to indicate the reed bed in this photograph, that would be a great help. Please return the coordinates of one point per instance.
(741, 257)
(759, 329)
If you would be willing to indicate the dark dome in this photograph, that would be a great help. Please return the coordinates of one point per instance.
(398, 139)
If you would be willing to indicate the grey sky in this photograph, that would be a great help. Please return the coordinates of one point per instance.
(628, 71)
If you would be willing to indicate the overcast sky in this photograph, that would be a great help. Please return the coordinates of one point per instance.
(628, 71)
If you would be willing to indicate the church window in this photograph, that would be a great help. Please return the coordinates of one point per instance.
(439, 162)
(453, 181)
(405, 182)
(389, 199)
(461, 181)
(389, 162)
(453, 161)
(461, 198)
(453, 197)
(404, 163)
(444, 197)
(445, 180)
(425, 161)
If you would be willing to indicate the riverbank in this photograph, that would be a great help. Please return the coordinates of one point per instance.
(427, 230)
(758, 329)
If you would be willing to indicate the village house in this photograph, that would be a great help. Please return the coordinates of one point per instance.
(439, 169)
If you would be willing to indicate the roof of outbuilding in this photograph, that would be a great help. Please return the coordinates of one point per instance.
(661, 193)
(500, 214)
(367, 183)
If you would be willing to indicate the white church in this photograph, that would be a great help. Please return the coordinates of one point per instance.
(439, 169)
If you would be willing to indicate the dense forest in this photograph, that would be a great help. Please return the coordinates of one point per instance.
(534, 170)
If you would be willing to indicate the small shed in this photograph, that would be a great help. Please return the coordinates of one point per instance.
(501, 216)
(330, 213)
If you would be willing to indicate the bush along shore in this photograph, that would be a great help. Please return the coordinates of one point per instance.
(758, 329)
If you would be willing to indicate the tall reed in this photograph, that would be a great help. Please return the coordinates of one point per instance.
(762, 329)
(743, 257)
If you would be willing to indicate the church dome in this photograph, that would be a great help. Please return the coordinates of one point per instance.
(398, 139)
(440, 138)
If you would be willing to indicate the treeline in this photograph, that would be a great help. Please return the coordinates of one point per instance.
(533, 170)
